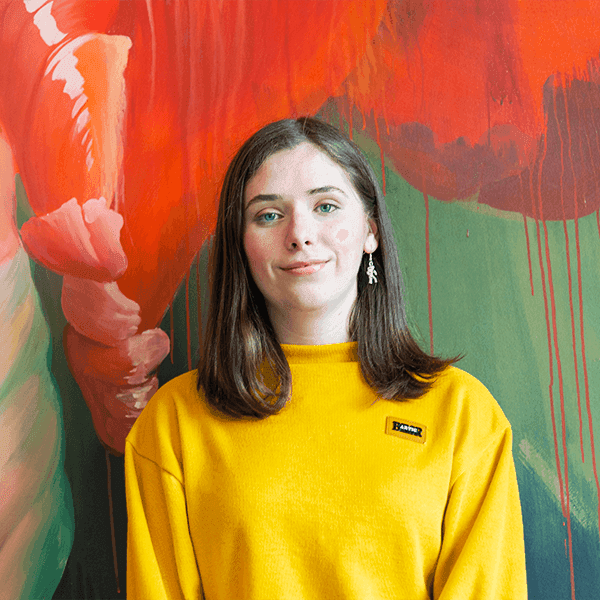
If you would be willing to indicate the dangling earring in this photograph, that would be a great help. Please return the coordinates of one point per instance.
(371, 272)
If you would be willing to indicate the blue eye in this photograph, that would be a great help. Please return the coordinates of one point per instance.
(332, 207)
(266, 217)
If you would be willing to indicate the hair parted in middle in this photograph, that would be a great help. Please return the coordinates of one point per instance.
(240, 342)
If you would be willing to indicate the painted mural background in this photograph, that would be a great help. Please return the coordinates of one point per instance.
(116, 122)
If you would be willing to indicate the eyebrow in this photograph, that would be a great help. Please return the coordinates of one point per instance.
(271, 197)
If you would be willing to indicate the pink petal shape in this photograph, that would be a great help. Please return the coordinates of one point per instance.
(82, 242)
(116, 382)
(128, 362)
(99, 310)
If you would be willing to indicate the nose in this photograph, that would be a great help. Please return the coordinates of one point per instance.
(301, 230)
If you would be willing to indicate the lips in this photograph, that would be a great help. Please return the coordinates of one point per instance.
(305, 268)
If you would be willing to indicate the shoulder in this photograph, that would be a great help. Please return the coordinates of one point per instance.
(467, 415)
(177, 395)
(468, 398)
(156, 434)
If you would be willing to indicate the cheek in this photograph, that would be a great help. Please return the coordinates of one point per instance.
(349, 237)
(257, 250)
(250, 250)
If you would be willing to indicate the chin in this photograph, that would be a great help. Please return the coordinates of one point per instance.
(308, 303)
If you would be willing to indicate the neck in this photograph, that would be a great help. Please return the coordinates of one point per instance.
(316, 327)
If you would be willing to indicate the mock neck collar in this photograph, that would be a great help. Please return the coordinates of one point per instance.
(326, 353)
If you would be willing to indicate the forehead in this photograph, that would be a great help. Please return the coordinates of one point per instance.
(297, 171)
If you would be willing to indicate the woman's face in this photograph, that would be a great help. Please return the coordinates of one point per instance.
(305, 231)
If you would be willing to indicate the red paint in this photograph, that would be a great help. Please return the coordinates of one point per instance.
(176, 139)
(480, 102)
(528, 252)
(351, 123)
(225, 48)
(116, 381)
(568, 256)
(112, 522)
(549, 332)
(381, 156)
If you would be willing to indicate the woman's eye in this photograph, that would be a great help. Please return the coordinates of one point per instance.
(327, 208)
(269, 217)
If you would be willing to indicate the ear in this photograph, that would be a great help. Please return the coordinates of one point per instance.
(372, 241)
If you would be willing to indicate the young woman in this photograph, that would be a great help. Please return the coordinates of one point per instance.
(317, 453)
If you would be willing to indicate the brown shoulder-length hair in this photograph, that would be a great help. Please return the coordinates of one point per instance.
(239, 340)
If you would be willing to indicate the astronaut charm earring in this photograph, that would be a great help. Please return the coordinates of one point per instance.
(371, 272)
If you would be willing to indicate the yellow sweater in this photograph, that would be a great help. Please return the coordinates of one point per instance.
(339, 496)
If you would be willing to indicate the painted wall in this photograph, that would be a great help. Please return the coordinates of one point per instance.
(483, 119)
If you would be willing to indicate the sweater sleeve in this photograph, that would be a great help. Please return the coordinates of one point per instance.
(483, 555)
(161, 563)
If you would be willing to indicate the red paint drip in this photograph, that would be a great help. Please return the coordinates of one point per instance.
(428, 259)
(547, 316)
(568, 257)
(581, 319)
(593, 154)
(172, 330)
(112, 522)
(562, 410)
(187, 321)
(489, 116)
(560, 375)
(350, 121)
(527, 229)
(528, 252)
(381, 156)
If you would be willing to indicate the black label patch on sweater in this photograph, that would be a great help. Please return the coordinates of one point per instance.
(415, 432)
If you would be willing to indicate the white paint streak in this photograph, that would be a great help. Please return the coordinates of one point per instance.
(46, 23)
(66, 70)
(153, 49)
(82, 120)
(32, 5)
(547, 474)
(79, 104)
(66, 51)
